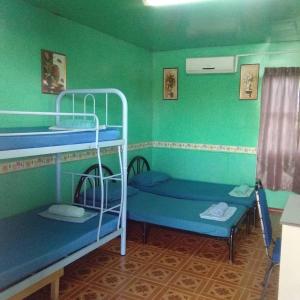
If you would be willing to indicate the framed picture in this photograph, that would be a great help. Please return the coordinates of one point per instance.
(249, 81)
(53, 72)
(170, 86)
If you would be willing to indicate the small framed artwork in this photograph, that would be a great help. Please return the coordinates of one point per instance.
(249, 76)
(53, 72)
(170, 84)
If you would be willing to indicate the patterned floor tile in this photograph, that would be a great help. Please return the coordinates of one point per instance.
(213, 256)
(157, 273)
(175, 294)
(221, 291)
(255, 282)
(192, 240)
(189, 282)
(89, 292)
(173, 265)
(102, 259)
(181, 248)
(243, 263)
(200, 267)
(251, 295)
(215, 245)
(84, 272)
(246, 251)
(121, 296)
(68, 286)
(141, 288)
(260, 266)
(130, 266)
(113, 246)
(229, 274)
(171, 260)
(145, 253)
(110, 280)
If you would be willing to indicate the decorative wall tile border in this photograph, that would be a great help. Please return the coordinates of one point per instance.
(46, 160)
(205, 147)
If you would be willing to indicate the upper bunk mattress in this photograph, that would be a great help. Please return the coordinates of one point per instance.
(175, 213)
(12, 139)
(30, 242)
(197, 190)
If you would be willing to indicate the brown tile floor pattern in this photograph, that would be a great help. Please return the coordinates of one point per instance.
(173, 265)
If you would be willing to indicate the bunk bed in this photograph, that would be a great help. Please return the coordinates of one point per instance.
(149, 208)
(34, 249)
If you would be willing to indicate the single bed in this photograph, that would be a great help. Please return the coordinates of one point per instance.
(30, 242)
(150, 208)
(162, 184)
(18, 138)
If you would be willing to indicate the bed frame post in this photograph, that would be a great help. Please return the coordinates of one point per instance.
(124, 169)
(145, 232)
(248, 225)
(58, 177)
(231, 244)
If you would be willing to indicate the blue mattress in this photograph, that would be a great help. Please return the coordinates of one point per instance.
(175, 213)
(40, 138)
(197, 190)
(30, 242)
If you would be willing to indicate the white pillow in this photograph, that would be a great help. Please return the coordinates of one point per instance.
(66, 210)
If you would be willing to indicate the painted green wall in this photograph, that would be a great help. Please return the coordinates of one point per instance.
(93, 60)
(208, 111)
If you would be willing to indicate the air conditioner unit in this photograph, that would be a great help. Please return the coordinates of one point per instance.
(207, 65)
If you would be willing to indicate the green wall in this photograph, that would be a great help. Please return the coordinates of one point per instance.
(208, 111)
(93, 60)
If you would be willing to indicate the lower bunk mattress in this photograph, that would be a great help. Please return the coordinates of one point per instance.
(30, 242)
(12, 139)
(197, 190)
(180, 214)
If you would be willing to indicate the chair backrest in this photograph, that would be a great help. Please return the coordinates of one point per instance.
(264, 216)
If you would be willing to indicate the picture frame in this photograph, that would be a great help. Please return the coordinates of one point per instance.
(249, 77)
(53, 72)
(170, 83)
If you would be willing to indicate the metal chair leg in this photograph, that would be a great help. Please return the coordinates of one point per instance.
(266, 280)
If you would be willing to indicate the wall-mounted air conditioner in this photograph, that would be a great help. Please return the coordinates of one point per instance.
(207, 65)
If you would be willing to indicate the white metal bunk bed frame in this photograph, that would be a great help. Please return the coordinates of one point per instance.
(122, 145)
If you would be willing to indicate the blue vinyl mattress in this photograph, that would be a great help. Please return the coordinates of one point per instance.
(40, 138)
(175, 213)
(30, 242)
(197, 190)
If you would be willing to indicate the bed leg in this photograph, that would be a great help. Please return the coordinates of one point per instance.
(248, 225)
(55, 289)
(231, 244)
(123, 243)
(254, 215)
(145, 232)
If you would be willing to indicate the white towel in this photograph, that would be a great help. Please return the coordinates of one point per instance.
(241, 191)
(218, 210)
(66, 210)
(87, 215)
(227, 215)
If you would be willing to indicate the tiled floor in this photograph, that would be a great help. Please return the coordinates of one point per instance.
(173, 265)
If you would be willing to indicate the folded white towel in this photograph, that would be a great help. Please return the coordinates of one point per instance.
(218, 210)
(227, 215)
(66, 210)
(241, 191)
